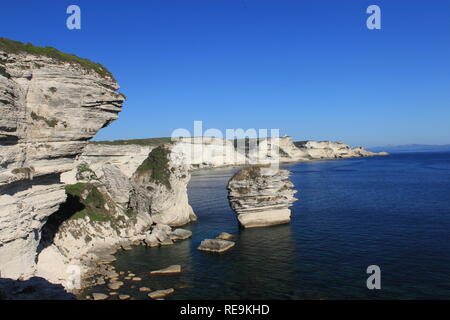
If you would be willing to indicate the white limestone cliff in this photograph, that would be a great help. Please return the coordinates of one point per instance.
(49, 109)
(333, 150)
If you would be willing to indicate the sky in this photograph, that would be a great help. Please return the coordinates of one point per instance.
(309, 68)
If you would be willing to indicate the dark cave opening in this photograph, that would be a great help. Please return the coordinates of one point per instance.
(54, 221)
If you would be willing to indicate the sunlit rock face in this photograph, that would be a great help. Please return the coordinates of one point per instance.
(210, 152)
(49, 109)
(332, 150)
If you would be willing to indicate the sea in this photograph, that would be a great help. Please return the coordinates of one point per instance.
(392, 212)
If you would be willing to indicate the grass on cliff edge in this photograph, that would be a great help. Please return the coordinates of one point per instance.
(157, 166)
(249, 172)
(12, 46)
(141, 142)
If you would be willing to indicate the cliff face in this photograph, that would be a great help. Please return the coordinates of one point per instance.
(149, 179)
(49, 108)
(118, 195)
(261, 197)
(332, 150)
(161, 189)
(210, 152)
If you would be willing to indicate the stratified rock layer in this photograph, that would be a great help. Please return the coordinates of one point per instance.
(261, 196)
(49, 108)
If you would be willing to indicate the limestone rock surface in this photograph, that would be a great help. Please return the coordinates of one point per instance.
(49, 109)
(261, 197)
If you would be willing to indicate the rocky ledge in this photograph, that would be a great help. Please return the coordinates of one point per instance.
(261, 196)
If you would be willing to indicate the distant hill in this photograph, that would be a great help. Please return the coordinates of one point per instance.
(412, 148)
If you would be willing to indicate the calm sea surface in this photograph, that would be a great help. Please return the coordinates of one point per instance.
(392, 211)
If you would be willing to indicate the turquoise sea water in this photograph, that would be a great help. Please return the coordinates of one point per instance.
(392, 211)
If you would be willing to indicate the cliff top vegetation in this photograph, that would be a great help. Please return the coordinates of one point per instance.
(12, 46)
(141, 142)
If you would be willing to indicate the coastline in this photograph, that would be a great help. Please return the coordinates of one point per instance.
(103, 267)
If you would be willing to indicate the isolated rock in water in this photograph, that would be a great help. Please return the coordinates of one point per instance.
(99, 296)
(170, 269)
(261, 196)
(160, 293)
(225, 236)
(124, 297)
(144, 289)
(215, 245)
(180, 234)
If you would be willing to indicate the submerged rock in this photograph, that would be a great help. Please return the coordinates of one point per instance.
(215, 245)
(225, 236)
(168, 270)
(261, 196)
(160, 293)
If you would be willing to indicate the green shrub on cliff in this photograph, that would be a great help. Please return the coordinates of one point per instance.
(12, 46)
(93, 201)
(157, 166)
(85, 173)
(248, 173)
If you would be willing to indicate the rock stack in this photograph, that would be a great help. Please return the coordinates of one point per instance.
(261, 196)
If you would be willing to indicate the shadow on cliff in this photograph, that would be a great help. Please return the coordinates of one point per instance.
(35, 288)
(51, 227)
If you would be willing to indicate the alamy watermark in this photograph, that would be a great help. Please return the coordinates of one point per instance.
(73, 22)
(374, 280)
(374, 20)
(234, 147)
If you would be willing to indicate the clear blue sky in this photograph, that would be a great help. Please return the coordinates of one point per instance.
(310, 68)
